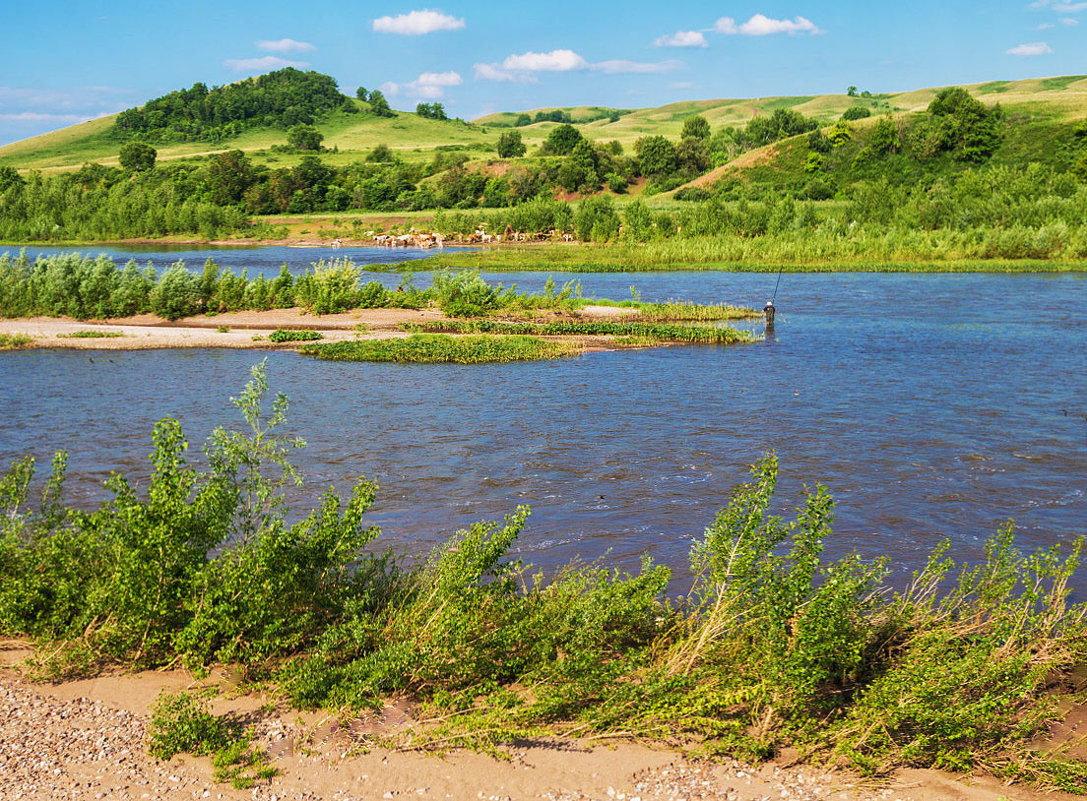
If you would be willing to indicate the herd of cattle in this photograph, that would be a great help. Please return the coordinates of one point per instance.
(417, 239)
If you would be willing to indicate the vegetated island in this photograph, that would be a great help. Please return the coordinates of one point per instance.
(991, 176)
(774, 650)
(329, 312)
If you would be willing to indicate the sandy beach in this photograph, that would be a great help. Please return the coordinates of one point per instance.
(244, 329)
(87, 739)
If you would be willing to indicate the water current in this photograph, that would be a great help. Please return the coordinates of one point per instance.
(931, 406)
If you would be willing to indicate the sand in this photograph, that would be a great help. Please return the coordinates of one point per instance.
(87, 739)
(246, 329)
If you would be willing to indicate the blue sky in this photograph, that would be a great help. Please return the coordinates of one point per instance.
(63, 62)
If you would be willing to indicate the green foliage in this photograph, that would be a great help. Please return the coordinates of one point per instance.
(561, 140)
(282, 335)
(695, 127)
(596, 219)
(304, 137)
(182, 723)
(856, 112)
(656, 156)
(282, 98)
(379, 106)
(439, 348)
(137, 156)
(95, 333)
(964, 126)
(645, 331)
(465, 294)
(431, 111)
(510, 145)
(14, 341)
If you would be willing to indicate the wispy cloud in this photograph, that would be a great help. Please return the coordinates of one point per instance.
(522, 68)
(261, 64)
(761, 25)
(1030, 49)
(1045, 26)
(285, 46)
(681, 39)
(1068, 22)
(621, 66)
(417, 23)
(1069, 8)
(429, 85)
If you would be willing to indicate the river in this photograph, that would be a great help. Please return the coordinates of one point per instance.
(931, 405)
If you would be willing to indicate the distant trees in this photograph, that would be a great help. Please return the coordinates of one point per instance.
(137, 156)
(522, 120)
(510, 145)
(304, 137)
(282, 98)
(229, 176)
(431, 111)
(361, 94)
(856, 113)
(379, 105)
(784, 122)
(380, 153)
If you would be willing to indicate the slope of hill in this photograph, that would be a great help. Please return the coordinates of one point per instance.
(351, 136)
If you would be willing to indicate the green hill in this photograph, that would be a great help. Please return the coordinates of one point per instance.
(1043, 101)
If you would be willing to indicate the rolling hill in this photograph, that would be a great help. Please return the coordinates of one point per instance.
(349, 136)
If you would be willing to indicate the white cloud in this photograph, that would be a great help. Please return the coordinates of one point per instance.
(622, 67)
(1069, 8)
(494, 72)
(284, 46)
(428, 86)
(1045, 26)
(261, 64)
(417, 23)
(761, 25)
(1068, 22)
(555, 61)
(681, 39)
(522, 67)
(1031, 49)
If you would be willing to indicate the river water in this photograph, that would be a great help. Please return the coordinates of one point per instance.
(931, 406)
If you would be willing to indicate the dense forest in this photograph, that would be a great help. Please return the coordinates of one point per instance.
(278, 99)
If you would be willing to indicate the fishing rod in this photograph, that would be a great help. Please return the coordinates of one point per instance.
(780, 269)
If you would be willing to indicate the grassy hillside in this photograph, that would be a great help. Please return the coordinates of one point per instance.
(1039, 100)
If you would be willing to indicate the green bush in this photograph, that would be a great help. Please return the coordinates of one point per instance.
(283, 335)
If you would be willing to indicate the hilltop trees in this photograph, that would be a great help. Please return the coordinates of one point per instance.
(379, 105)
(431, 111)
(561, 140)
(281, 99)
(963, 125)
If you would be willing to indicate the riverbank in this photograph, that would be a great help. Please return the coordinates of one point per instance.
(87, 739)
(719, 254)
(243, 329)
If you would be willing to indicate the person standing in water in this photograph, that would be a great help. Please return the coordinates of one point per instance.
(768, 313)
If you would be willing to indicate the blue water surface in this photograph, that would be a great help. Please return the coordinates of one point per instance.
(931, 406)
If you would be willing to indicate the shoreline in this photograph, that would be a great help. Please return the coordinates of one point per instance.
(87, 739)
(576, 257)
(247, 329)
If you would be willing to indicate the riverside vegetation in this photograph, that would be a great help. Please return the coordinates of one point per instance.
(958, 182)
(773, 646)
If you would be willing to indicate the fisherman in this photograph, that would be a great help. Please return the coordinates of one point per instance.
(768, 313)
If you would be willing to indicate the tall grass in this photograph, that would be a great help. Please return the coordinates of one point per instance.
(656, 332)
